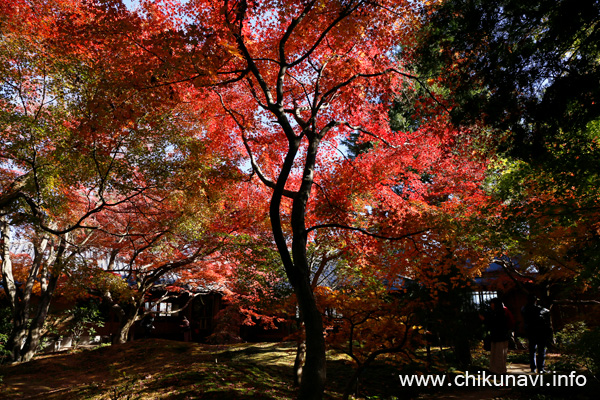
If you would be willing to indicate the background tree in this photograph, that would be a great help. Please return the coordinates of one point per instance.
(525, 76)
(295, 86)
(32, 274)
(367, 321)
(527, 69)
(301, 61)
(281, 83)
(182, 240)
(78, 138)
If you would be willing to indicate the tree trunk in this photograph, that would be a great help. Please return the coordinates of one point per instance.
(127, 318)
(27, 334)
(19, 325)
(15, 341)
(352, 381)
(312, 384)
(36, 327)
(123, 333)
(19, 296)
(299, 363)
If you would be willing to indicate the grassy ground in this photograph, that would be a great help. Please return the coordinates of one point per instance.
(162, 369)
(152, 369)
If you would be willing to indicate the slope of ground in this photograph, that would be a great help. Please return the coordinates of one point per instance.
(161, 369)
(154, 369)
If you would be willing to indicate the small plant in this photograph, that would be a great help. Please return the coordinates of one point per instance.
(85, 318)
(126, 391)
(227, 327)
(480, 360)
(101, 345)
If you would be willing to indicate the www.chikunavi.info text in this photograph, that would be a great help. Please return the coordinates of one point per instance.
(486, 379)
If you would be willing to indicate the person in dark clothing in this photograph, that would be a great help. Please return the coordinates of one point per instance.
(500, 323)
(148, 325)
(185, 328)
(539, 332)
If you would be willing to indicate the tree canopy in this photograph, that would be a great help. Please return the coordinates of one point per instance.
(525, 75)
(164, 136)
(524, 68)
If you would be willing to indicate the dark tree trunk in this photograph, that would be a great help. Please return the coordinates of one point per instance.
(353, 382)
(15, 341)
(299, 363)
(36, 327)
(123, 333)
(462, 350)
(25, 337)
(312, 383)
(127, 316)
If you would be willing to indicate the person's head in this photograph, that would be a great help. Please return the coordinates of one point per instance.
(532, 299)
(496, 304)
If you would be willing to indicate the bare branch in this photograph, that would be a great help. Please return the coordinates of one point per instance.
(366, 132)
(365, 232)
(290, 30)
(345, 13)
(576, 302)
(255, 167)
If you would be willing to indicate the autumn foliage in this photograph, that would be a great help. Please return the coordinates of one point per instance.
(208, 141)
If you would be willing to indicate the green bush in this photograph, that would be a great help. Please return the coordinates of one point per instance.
(5, 327)
(590, 350)
(580, 347)
(85, 317)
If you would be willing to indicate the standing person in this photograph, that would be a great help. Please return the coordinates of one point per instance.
(185, 327)
(539, 331)
(500, 323)
(148, 325)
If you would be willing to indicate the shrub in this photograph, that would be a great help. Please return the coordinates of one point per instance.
(580, 347)
(84, 318)
(5, 328)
